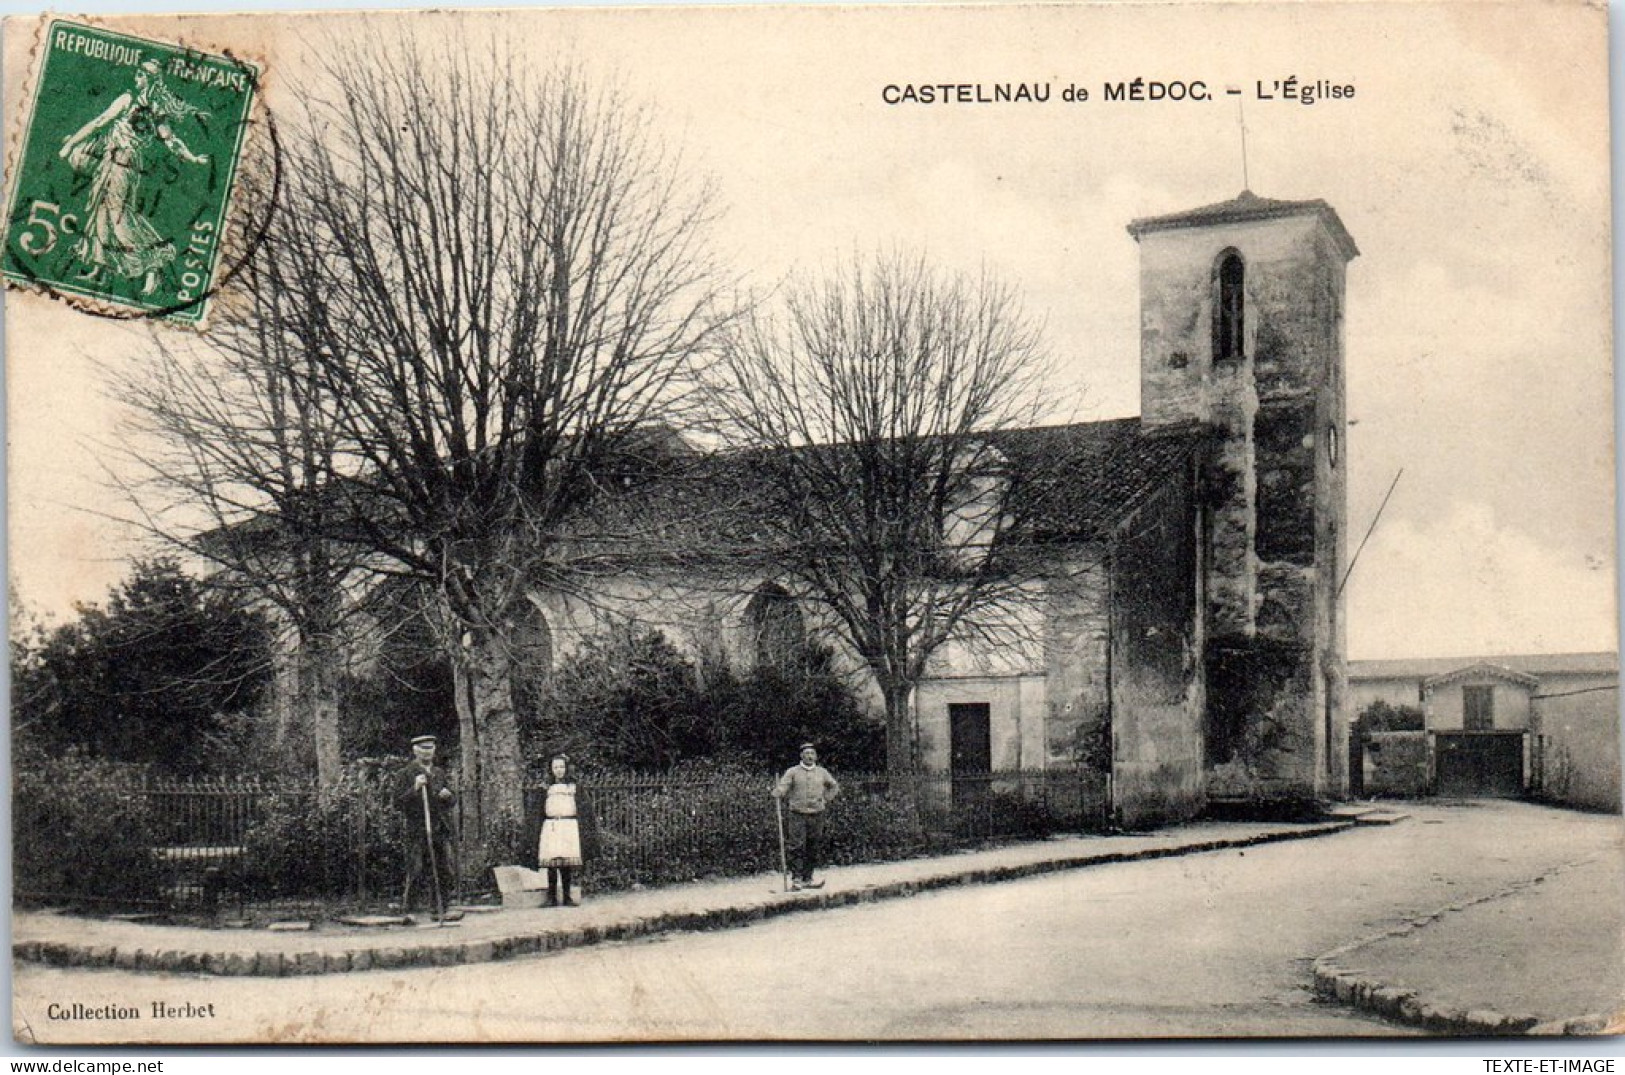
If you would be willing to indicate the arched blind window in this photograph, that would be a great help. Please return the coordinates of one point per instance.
(531, 640)
(776, 628)
(1229, 312)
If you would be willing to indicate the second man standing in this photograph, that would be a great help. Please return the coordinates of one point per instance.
(807, 789)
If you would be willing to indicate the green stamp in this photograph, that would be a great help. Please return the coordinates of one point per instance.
(122, 184)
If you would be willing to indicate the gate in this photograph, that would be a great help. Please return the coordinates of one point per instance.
(1485, 764)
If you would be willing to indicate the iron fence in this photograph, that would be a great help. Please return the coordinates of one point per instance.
(213, 843)
(198, 830)
(675, 828)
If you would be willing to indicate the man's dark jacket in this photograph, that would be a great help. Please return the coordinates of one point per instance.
(410, 800)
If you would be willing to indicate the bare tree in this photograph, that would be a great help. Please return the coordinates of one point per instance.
(874, 401)
(233, 444)
(498, 279)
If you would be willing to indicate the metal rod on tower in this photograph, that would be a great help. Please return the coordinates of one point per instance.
(1368, 531)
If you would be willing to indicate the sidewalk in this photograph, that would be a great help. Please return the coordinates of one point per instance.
(1533, 958)
(480, 937)
(1527, 959)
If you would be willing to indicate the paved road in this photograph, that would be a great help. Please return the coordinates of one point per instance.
(1215, 944)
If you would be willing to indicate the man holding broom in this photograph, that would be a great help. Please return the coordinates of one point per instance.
(425, 801)
(806, 789)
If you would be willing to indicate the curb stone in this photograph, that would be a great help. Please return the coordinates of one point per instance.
(1357, 988)
(238, 962)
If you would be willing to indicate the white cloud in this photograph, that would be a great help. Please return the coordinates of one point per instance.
(1464, 581)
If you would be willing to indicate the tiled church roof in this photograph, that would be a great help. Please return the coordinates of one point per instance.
(1092, 474)
(661, 498)
(1076, 483)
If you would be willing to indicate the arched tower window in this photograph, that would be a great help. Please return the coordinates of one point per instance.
(776, 628)
(1229, 304)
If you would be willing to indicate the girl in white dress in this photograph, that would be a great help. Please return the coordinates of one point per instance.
(559, 852)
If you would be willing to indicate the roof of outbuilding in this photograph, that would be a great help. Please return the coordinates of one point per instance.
(1249, 206)
(1532, 664)
(1480, 670)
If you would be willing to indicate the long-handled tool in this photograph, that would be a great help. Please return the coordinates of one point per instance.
(434, 863)
(784, 862)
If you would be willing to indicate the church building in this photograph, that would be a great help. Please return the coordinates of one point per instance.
(1190, 635)
(1210, 645)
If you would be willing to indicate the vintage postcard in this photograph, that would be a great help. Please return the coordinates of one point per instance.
(804, 523)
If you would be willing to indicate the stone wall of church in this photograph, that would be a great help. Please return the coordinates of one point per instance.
(1042, 670)
(696, 612)
(702, 613)
(1003, 668)
(1157, 689)
(1016, 707)
(1077, 614)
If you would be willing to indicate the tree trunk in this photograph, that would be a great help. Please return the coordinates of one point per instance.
(492, 769)
(501, 768)
(320, 672)
(321, 659)
(900, 738)
(903, 785)
(288, 708)
(307, 712)
(306, 726)
(468, 753)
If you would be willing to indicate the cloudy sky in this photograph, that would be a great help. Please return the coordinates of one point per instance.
(1471, 167)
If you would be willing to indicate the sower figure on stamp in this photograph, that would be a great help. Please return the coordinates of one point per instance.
(425, 800)
(567, 831)
(807, 790)
(114, 149)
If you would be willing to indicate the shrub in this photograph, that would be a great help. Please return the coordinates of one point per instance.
(870, 825)
(625, 700)
(1011, 815)
(506, 842)
(1381, 716)
(82, 830)
(407, 690)
(631, 701)
(716, 818)
(766, 712)
(346, 841)
(703, 818)
(317, 842)
(152, 675)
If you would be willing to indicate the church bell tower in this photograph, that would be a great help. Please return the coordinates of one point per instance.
(1241, 338)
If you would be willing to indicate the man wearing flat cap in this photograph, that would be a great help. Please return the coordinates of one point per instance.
(425, 800)
(807, 790)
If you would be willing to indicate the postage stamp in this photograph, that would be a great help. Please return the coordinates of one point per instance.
(124, 176)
